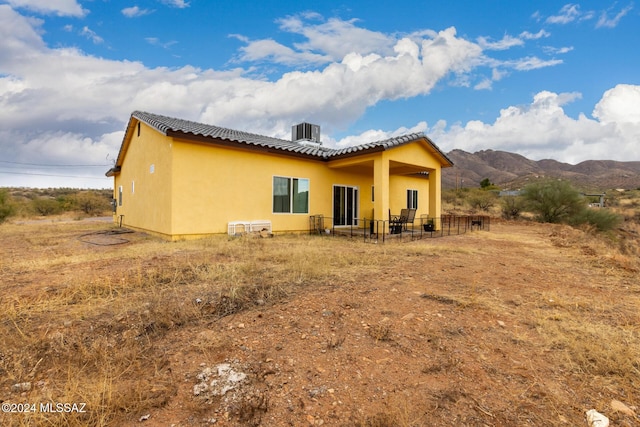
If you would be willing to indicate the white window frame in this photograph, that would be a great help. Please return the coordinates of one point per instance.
(412, 198)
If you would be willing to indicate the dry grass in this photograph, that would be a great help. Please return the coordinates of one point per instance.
(92, 336)
(87, 323)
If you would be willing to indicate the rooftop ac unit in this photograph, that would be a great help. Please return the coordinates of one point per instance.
(305, 132)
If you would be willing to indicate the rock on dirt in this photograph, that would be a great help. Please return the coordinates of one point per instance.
(596, 419)
(225, 378)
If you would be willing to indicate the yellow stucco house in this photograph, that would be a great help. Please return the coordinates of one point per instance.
(182, 179)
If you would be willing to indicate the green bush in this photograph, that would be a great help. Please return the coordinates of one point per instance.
(450, 196)
(6, 206)
(66, 202)
(511, 207)
(46, 206)
(486, 184)
(601, 219)
(481, 199)
(558, 201)
(553, 200)
(91, 202)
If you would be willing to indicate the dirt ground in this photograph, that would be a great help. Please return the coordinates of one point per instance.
(483, 329)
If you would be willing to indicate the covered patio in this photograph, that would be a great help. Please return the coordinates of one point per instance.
(394, 175)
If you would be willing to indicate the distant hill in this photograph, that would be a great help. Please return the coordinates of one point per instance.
(513, 171)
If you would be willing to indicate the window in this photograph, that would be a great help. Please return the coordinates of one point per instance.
(133, 187)
(290, 195)
(373, 199)
(412, 199)
(120, 195)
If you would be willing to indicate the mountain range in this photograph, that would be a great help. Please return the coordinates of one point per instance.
(511, 171)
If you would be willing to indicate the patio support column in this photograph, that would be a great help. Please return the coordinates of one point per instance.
(381, 187)
(435, 195)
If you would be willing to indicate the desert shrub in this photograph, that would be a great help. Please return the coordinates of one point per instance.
(481, 199)
(66, 202)
(6, 206)
(46, 206)
(601, 219)
(449, 196)
(511, 207)
(91, 203)
(553, 200)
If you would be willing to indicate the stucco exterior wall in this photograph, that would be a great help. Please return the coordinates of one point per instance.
(214, 185)
(399, 185)
(416, 154)
(146, 182)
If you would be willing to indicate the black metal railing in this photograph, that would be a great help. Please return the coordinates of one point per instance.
(373, 230)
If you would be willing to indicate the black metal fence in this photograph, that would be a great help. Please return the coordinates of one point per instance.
(371, 230)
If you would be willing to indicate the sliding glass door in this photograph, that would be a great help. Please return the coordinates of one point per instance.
(345, 205)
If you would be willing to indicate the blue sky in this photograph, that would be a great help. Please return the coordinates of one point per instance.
(544, 79)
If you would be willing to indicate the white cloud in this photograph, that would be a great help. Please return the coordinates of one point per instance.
(606, 22)
(571, 12)
(568, 13)
(77, 97)
(484, 84)
(341, 91)
(80, 103)
(91, 35)
(619, 105)
(50, 7)
(325, 42)
(543, 130)
(334, 40)
(376, 135)
(497, 75)
(531, 63)
(18, 35)
(268, 49)
(135, 11)
(180, 4)
(337, 38)
(507, 42)
(526, 35)
(156, 42)
(85, 160)
(557, 50)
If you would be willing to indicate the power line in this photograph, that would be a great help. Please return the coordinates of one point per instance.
(47, 174)
(53, 166)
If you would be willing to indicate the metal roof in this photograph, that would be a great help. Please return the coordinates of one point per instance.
(187, 129)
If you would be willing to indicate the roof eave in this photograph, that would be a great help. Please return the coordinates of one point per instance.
(113, 171)
(355, 153)
(445, 161)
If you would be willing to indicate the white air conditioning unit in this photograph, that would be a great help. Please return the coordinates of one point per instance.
(305, 132)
